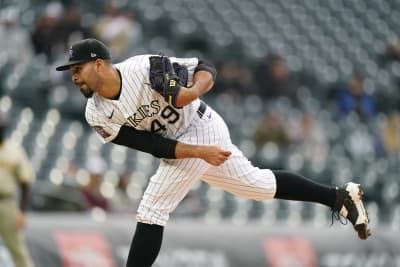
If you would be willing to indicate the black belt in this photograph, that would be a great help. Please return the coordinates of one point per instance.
(202, 108)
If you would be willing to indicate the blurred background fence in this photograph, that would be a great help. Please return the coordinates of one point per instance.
(78, 240)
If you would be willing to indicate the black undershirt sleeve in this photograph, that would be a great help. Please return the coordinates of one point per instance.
(148, 142)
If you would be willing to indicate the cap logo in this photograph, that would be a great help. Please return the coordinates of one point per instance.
(93, 55)
(70, 52)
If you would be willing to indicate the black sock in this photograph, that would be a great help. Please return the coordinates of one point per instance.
(292, 186)
(145, 246)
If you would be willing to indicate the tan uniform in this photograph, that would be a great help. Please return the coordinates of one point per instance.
(14, 170)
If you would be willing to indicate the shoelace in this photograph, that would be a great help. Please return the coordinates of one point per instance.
(336, 215)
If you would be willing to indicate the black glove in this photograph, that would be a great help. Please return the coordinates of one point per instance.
(164, 80)
(182, 73)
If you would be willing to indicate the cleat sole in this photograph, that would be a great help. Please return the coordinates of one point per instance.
(363, 229)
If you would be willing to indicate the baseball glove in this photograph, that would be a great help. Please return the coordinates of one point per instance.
(166, 78)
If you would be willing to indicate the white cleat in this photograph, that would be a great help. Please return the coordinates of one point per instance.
(349, 205)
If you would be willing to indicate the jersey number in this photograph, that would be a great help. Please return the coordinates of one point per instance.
(169, 114)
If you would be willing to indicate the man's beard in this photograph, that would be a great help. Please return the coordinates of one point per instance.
(88, 93)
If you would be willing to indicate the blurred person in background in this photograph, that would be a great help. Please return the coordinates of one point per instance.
(273, 78)
(70, 27)
(388, 139)
(118, 29)
(353, 98)
(271, 129)
(56, 27)
(16, 177)
(391, 52)
(233, 79)
(45, 36)
(96, 166)
(310, 139)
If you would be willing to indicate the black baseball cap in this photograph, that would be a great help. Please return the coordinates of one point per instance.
(84, 51)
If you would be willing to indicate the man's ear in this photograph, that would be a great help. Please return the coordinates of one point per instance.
(98, 64)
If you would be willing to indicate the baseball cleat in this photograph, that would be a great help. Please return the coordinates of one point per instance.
(349, 205)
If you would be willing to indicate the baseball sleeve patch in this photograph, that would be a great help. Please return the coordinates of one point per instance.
(100, 130)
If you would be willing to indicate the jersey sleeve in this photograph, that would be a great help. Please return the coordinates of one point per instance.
(107, 129)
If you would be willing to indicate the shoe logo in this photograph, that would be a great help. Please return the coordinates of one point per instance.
(111, 115)
(209, 116)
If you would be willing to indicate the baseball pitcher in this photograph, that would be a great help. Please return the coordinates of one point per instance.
(151, 103)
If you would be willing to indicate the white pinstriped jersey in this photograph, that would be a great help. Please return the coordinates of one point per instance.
(139, 106)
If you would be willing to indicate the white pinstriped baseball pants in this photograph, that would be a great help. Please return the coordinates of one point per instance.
(174, 178)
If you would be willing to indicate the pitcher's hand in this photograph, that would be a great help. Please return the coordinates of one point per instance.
(214, 155)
